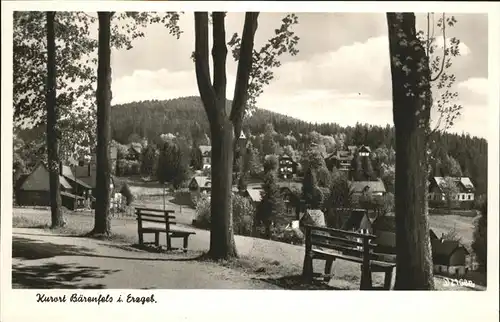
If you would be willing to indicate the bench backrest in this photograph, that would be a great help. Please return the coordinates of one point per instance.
(154, 216)
(347, 242)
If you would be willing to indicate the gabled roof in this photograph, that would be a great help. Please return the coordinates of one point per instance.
(443, 249)
(37, 185)
(357, 220)
(67, 172)
(464, 184)
(202, 181)
(373, 186)
(313, 217)
(255, 194)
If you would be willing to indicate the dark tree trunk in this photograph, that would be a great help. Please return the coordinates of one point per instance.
(52, 132)
(410, 84)
(102, 220)
(223, 128)
(222, 243)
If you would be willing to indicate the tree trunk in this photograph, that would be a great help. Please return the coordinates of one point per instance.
(410, 83)
(222, 245)
(102, 218)
(52, 132)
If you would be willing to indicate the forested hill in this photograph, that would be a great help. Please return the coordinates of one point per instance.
(185, 117)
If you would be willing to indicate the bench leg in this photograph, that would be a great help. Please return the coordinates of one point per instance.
(328, 270)
(141, 238)
(388, 278)
(307, 268)
(169, 243)
(366, 278)
(157, 239)
(185, 244)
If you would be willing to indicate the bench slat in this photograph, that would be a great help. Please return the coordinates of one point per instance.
(170, 211)
(333, 231)
(146, 214)
(374, 263)
(153, 220)
(339, 239)
(182, 232)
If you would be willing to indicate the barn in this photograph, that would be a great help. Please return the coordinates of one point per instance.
(34, 190)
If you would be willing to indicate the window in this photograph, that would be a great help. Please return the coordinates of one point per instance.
(469, 197)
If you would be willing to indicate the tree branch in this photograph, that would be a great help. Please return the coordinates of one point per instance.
(219, 55)
(444, 51)
(244, 69)
(205, 87)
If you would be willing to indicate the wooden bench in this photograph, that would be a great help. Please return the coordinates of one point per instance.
(330, 244)
(161, 217)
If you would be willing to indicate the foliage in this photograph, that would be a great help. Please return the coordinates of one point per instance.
(271, 204)
(172, 165)
(148, 161)
(480, 242)
(269, 145)
(324, 177)
(440, 62)
(196, 158)
(243, 215)
(311, 194)
(127, 193)
(271, 163)
(450, 191)
(251, 162)
(452, 234)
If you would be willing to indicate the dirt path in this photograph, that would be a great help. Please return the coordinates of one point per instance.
(43, 260)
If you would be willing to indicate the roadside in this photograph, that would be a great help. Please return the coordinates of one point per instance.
(259, 258)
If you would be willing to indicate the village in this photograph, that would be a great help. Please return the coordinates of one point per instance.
(360, 214)
(246, 165)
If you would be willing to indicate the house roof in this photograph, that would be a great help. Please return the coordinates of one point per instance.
(137, 147)
(255, 194)
(313, 217)
(365, 148)
(373, 186)
(464, 184)
(202, 181)
(445, 248)
(205, 149)
(357, 220)
(26, 184)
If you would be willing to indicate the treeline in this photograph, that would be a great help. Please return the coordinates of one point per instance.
(185, 117)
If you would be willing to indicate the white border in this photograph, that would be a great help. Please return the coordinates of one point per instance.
(19, 305)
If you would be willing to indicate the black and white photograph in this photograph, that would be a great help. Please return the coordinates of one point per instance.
(176, 149)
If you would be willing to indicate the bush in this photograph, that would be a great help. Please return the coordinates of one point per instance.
(127, 193)
(202, 213)
(243, 214)
(479, 245)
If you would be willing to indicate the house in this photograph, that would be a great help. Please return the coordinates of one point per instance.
(200, 184)
(206, 153)
(287, 167)
(34, 190)
(358, 221)
(340, 159)
(85, 176)
(364, 151)
(134, 151)
(313, 217)
(464, 194)
(255, 195)
(449, 257)
(375, 188)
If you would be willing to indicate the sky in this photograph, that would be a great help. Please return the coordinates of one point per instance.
(341, 73)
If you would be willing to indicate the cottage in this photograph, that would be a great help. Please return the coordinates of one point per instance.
(287, 167)
(340, 159)
(375, 188)
(449, 257)
(34, 190)
(364, 151)
(206, 154)
(200, 184)
(463, 191)
(313, 217)
(358, 221)
(255, 195)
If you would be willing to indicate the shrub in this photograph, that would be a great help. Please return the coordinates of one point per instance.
(127, 193)
(243, 215)
(479, 245)
(202, 213)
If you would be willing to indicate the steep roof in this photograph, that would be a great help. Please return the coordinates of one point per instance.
(373, 186)
(464, 184)
(255, 194)
(313, 217)
(202, 181)
(357, 220)
(38, 180)
(443, 249)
